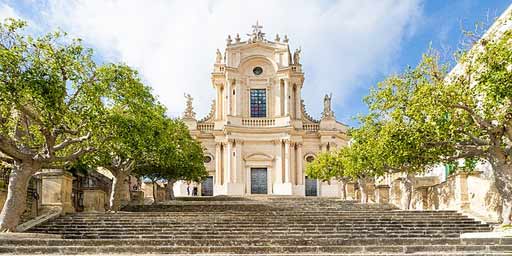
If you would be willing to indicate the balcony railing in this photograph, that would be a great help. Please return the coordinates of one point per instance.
(311, 127)
(258, 122)
(205, 126)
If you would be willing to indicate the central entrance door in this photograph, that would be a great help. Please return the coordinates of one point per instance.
(207, 187)
(258, 180)
(311, 187)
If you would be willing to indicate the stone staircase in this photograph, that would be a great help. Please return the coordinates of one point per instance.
(261, 225)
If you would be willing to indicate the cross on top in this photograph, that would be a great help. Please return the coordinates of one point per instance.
(256, 32)
(256, 28)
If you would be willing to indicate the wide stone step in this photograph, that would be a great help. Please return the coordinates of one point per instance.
(349, 250)
(263, 241)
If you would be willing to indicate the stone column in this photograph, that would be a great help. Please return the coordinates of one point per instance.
(300, 171)
(218, 164)
(228, 164)
(57, 189)
(238, 172)
(293, 163)
(286, 99)
(228, 97)
(217, 103)
(277, 100)
(287, 161)
(298, 107)
(278, 166)
(323, 146)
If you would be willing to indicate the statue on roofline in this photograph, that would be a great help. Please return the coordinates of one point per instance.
(218, 59)
(189, 109)
(327, 113)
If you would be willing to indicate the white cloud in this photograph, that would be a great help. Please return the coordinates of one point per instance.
(173, 43)
(7, 12)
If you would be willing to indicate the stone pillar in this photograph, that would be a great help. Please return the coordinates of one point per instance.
(300, 171)
(298, 107)
(218, 164)
(94, 200)
(218, 104)
(351, 191)
(287, 161)
(238, 99)
(277, 100)
(323, 146)
(238, 173)
(461, 191)
(228, 97)
(228, 164)
(57, 189)
(382, 194)
(286, 97)
(278, 166)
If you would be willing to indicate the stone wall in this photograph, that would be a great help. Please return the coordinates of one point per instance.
(474, 194)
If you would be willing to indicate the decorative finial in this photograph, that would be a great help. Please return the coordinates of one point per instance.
(218, 58)
(327, 113)
(229, 40)
(189, 109)
(278, 39)
(237, 38)
(285, 39)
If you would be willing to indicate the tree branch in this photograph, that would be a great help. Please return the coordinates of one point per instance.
(68, 142)
(71, 157)
(9, 148)
(482, 123)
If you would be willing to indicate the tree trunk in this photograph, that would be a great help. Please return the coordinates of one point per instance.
(362, 188)
(154, 192)
(503, 182)
(408, 186)
(15, 202)
(170, 190)
(117, 190)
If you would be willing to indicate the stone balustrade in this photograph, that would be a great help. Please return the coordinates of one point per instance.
(259, 122)
(205, 126)
(311, 127)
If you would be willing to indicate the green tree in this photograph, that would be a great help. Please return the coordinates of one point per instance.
(328, 165)
(465, 114)
(52, 98)
(133, 127)
(178, 157)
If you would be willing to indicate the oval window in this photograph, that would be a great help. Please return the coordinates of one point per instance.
(207, 159)
(257, 71)
(310, 159)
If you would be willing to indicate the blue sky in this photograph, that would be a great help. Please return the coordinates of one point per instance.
(348, 46)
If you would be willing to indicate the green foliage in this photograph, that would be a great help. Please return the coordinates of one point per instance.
(178, 156)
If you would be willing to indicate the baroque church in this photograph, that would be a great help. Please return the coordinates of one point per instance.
(258, 136)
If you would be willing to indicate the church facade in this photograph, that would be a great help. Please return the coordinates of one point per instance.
(258, 136)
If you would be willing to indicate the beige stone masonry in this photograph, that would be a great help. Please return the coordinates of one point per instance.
(57, 188)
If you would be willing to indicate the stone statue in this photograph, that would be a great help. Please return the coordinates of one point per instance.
(218, 59)
(237, 38)
(296, 56)
(278, 39)
(229, 40)
(189, 109)
(286, 39)
(327, 113)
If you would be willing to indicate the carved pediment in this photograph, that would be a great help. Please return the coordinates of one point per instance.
(258, 157)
